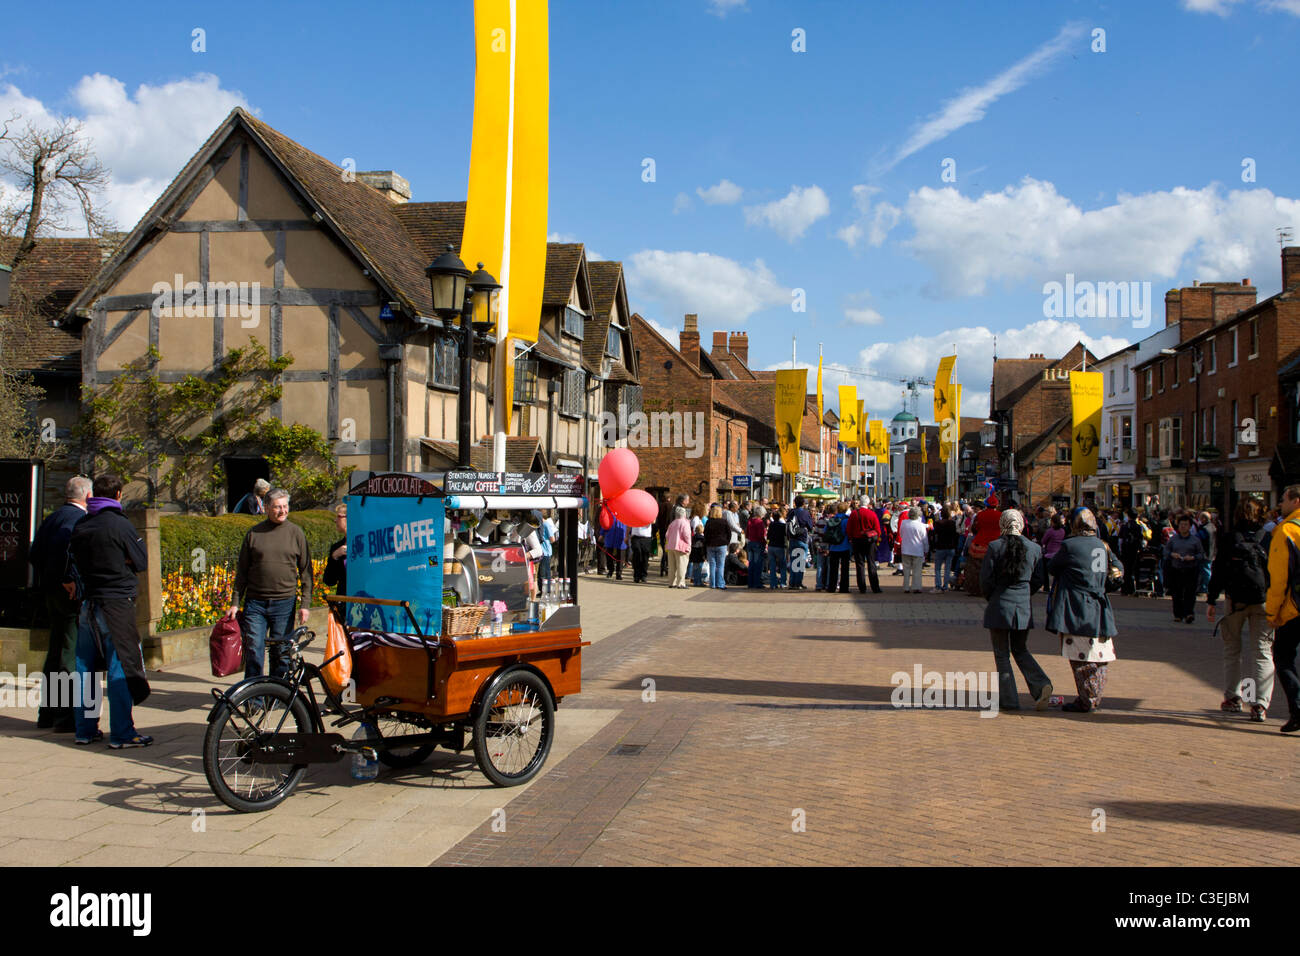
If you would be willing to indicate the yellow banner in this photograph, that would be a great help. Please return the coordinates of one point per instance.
(1085, 406)
(821, 407)
(849, 416)
(484, 237)
(879, 439)
(864, 434)
(943, 389)
(530, 168)
(925, 448)
(791, 399)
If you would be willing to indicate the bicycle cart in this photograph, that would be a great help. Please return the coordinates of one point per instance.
(449, 682)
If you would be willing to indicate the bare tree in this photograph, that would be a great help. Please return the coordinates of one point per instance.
(55, 167)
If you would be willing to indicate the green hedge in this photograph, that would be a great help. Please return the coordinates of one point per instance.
(221, 537)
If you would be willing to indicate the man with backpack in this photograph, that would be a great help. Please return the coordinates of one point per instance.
(864, 538)
(1240, 570)
(836, 539)
(1282, 605)
(798, 527)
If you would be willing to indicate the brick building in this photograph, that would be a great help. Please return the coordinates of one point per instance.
(1034, 393)
(1194, 397)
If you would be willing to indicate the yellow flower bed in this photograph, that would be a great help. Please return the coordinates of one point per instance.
(198, 600)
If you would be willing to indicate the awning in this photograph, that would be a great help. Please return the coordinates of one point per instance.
(513, 502)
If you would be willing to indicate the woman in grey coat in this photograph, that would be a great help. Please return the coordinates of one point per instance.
(1079, 611)
(1012, 570)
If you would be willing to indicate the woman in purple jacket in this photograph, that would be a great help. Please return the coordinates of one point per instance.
(1051, 543)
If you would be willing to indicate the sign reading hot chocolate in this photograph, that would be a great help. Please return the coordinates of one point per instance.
(20, 511)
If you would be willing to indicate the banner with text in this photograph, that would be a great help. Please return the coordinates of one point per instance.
(849, 415)
(791, 397)
(1085, 407)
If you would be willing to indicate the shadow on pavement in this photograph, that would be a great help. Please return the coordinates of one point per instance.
(1237, 816)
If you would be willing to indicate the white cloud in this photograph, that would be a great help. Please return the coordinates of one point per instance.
(681, 203)
(1220, 7)
(720, 8)
(566, 237)
(970, 105)
(722, 291)
(1155, 235)
(864, 316)
(144, 138)
(791, 216)
(670, 333)
(1286, 6)
(723, 194)
(875, 223)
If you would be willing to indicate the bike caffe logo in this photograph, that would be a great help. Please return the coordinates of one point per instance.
(402, 538)
(1098, 300)
(952, 690)
(196, 300)
(76, 909)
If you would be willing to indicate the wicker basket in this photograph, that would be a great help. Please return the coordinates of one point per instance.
(462, 621)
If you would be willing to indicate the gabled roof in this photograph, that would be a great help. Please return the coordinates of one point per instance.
(562, 261)
(432, 226)
(607, 288)
(1029, 450)
(43, 287)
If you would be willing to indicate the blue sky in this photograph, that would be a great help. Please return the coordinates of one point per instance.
(774, 170)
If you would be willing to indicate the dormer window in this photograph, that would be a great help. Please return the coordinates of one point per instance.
(573, 322)
(614, 343)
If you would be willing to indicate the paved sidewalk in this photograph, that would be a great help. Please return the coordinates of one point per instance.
(768, 709)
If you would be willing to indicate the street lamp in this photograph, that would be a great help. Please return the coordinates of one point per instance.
(473, 297)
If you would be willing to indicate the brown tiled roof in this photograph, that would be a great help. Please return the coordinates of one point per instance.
(548, 349)
(757, 402)
(432, 226)
(605, 277)
(521, 450)
(562, 260)
(618, 373)
(43, 288)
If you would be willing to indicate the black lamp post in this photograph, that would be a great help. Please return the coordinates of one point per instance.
(473, 298)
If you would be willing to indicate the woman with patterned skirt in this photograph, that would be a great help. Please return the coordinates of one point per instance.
(1079, 611)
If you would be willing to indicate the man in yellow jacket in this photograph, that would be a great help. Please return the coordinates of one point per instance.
(1281, 607)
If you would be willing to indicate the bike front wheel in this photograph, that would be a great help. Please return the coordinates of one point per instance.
(263, 707)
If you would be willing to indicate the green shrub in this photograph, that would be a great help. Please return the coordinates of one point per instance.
(220, 538)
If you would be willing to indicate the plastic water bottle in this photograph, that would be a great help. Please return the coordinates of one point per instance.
(363, 767)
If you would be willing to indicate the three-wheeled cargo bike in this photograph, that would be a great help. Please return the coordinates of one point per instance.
(423, 674)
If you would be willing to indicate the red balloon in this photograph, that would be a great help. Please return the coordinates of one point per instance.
(618, 472)
(635, 508)
(606, 519)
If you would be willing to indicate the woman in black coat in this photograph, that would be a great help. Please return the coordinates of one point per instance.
(1011, 572)
(1079, 611)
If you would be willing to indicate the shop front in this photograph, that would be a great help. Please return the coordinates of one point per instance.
(1252, 478)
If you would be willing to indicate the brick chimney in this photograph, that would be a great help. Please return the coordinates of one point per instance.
(391, 186)
(719, 344)
(689, 339)
(1197, 307)
(1173, 308)
(1291, 268)
(739, 346)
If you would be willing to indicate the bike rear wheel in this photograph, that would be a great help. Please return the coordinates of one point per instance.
(255, 708)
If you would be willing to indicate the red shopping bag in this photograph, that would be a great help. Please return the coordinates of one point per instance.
(226, 647)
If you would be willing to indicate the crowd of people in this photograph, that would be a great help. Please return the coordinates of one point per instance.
(1005, 554)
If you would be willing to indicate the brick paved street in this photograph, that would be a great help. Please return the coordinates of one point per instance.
(767, 708)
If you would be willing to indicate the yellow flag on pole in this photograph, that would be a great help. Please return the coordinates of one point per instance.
(879, 439)
(943, 389)
(1085, 408)
(864, 433)
(849, 416)
(530, 168)
(791, 398)
(821, 408)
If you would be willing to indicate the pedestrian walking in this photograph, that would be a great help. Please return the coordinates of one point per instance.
(1280, 606)
(836, 537)
(776, 548)
(1079, 612)
(1053, 536)
(48, 557)
(945, 547)
(985, 528)
(273, 570)
(1240, 571)
(641, 543)
(1012, 572)
(798, 530)
(913, 538)
(254, 502)
(755, 546)
(698, 555)
(717, 537)
(1184, 554)
(733, 522)
(616, 539)
(864, 536)
(105, 555)
(335, 574)
(677, 544)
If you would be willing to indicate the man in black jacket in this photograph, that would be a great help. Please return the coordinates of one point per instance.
(105, 554)
(49, 559)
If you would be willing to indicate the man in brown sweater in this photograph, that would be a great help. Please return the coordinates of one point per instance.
(273, 571)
